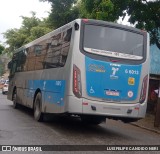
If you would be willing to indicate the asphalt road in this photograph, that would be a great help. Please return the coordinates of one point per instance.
(17, 127)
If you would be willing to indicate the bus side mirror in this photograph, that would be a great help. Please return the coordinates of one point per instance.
(76, 26)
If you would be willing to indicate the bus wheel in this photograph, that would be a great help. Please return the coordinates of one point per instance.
(38, 115)
(15, 104)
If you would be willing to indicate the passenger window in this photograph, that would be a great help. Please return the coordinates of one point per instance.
(31, 59)
(58, 48)
(40, 52)
(54, 50)
(25, 59)
(21, 60)
(66, 46)
(13, 69)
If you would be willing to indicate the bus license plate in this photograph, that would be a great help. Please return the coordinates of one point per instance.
(112, 93)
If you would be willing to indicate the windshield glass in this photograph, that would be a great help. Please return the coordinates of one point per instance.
(113, 42)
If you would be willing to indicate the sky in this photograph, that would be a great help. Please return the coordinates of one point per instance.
(12, 10)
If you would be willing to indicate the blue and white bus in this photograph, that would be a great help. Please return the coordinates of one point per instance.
(90, 68)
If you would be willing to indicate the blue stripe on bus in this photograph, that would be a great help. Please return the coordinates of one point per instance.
(112, 81)
(53, 91)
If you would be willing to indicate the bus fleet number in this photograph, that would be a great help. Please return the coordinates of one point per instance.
(58, 83)
(131, 72)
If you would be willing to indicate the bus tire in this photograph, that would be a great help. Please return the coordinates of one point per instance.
(15, 104)
(38, 115)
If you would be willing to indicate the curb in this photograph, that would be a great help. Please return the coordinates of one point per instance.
(149, 129)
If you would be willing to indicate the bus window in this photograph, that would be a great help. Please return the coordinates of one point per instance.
(58, 50)
(25, 61)
(31, 59)
(102, 40)
(65, 46)
(13, 69)
(21, 60)
(40, 52)
(53, 53)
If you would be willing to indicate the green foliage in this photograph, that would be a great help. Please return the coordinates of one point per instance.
(29, 22)
(31, 29)
(37, 32)
(98, 9)
(62, 12)
(14, 38)
(1, 49)
(107, 10)
(146, 15)
(1, 69)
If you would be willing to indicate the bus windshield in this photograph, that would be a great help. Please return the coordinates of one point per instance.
(113, 42)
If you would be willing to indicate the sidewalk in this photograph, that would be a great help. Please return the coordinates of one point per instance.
(147, 123)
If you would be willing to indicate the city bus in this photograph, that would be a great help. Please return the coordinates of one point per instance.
(87, 68)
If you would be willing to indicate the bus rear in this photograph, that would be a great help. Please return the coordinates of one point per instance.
(110, 71)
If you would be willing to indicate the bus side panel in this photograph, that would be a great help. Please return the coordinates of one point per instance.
(74, 104)
(52, 93)
(18, 83)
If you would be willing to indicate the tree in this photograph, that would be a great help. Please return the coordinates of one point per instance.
(14, 38)
(1, 49)
(146, 15)
(1, 69)
(2, 66)
(31, 29)
(107, 10)
(98, 9)
(62, 12)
